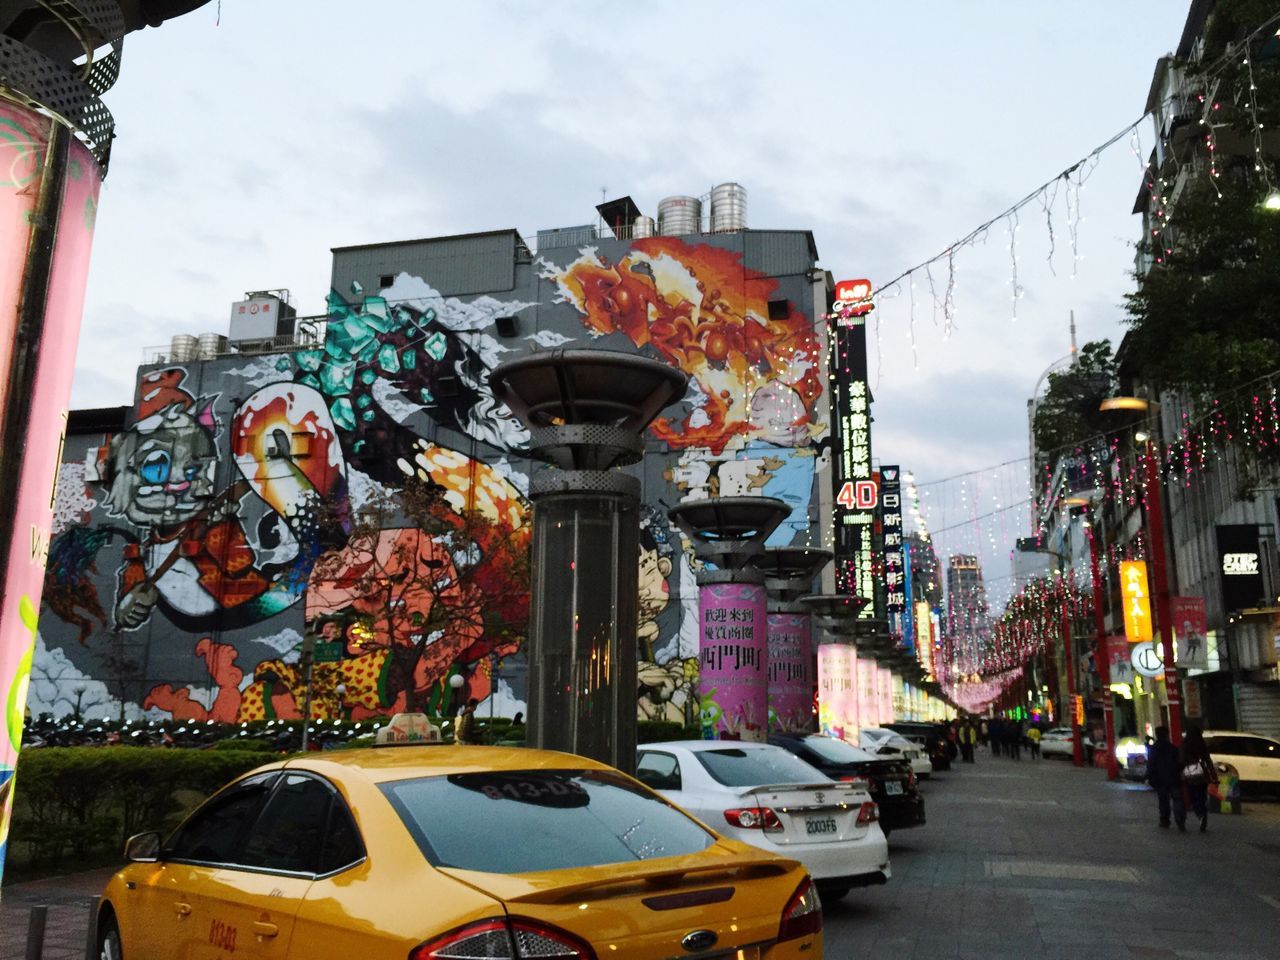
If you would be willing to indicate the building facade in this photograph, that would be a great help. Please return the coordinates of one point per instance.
(353, 478)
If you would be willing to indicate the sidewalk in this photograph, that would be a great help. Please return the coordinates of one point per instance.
(67, 926)
(1039, 860)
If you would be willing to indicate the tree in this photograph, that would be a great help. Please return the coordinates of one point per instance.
(1068, 415)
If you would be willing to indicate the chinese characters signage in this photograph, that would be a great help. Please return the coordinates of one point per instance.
(790, 672)
(896, 579)
(1137, 600)
(856, 491)
(733, 686)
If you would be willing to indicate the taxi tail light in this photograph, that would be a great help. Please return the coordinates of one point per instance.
(803, 914)
(753, 818)
(911, 778)
(502, 939)
(868, 813)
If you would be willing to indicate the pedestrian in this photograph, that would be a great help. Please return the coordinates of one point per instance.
(1033, 741)
(1164, 773)
(1198, 772)
(1015, 739)
(968, 740)
(983, 733)
(464, 732)
(996, 732)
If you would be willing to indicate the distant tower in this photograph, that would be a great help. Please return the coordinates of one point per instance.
(968, 619)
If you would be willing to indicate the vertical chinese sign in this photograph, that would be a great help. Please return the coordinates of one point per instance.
(734, 702)
(48, 204)
(856, 494)
(1137, 600)
(790, 672)
(897, 578)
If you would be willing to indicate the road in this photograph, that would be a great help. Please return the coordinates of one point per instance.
(1039, 860)
(1025, 861)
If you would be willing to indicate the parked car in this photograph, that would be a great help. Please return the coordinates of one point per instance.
(1057, 742)
(932, 736)
(887, 743)
(763, 795)
(424, 852)
(1255, 757)
(891, 782)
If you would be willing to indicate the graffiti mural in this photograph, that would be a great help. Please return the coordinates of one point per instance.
(366, 487)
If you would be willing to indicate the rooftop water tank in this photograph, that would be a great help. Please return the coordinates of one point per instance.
(643, 227)
(679, 216)
(212, 345)
(183, 347)
(728, 207)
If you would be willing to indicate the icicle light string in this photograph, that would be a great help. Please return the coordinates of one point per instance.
(1074, 176)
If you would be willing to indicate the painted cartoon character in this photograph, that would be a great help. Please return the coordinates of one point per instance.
(202, 557)
(701, 310)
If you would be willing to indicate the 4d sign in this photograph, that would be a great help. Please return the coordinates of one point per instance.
(1137, 600)
(858, 495)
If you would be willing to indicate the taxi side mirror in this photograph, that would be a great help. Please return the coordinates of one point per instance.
(143, 847)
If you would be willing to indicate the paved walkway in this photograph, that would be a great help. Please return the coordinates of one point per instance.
(1039, 860)
(67, 925)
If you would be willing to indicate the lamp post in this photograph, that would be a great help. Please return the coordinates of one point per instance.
(1154, 511)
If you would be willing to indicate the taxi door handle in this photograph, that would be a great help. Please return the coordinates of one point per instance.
(184, 909)
(265, 929)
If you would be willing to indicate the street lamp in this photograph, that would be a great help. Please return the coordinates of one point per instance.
(1155, 528)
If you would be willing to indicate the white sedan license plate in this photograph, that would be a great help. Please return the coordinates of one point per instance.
(820, 826)
(893, 788)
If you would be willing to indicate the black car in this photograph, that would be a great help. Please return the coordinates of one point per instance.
(932, 736)
(891, 782)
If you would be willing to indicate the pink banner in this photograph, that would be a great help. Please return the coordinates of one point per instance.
(868, 705)
(35, 451)
(1191, 631)
(732, 668)
(884, 691)
(837, 696)
(790, 672)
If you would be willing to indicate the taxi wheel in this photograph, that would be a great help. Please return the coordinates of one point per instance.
(109, 941)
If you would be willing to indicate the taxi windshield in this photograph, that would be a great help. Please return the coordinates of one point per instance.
(523, 821)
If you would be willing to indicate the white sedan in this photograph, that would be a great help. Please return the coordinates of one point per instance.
(766, 796)
(891, 744)
(1255, 757)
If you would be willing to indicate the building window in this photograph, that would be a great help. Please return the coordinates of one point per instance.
(778, 310)
(386, 280)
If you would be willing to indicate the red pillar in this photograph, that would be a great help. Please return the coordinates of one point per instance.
(1077, 749)
(1102, 654)
(1164, 612)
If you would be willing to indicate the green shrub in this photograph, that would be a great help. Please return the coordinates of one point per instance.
(86, 800)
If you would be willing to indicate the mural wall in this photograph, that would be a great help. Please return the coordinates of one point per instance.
(368, 487)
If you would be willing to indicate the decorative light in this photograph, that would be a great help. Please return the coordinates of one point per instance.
(1273, 200)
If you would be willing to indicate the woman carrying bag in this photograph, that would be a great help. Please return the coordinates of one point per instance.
(1198, 772)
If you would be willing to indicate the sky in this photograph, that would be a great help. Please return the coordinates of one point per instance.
(254, 136)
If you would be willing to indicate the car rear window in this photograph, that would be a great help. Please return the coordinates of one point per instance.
(836, 751)
(736, 767)
(523, 821)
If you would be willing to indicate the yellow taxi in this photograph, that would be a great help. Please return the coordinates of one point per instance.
(451, 853)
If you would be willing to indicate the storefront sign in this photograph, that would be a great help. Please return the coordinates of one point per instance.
(1137, 600)
(896, 580)
(1238, 562)
(1146, 659)
(1190, 631)
(1191, 698)
(853, 485)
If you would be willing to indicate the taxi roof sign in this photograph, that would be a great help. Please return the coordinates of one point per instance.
(408, 728)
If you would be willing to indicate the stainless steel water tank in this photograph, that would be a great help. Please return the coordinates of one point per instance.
(212, 345)
(728, 207)
(183, 347)
(678, 216)
(643, 227)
